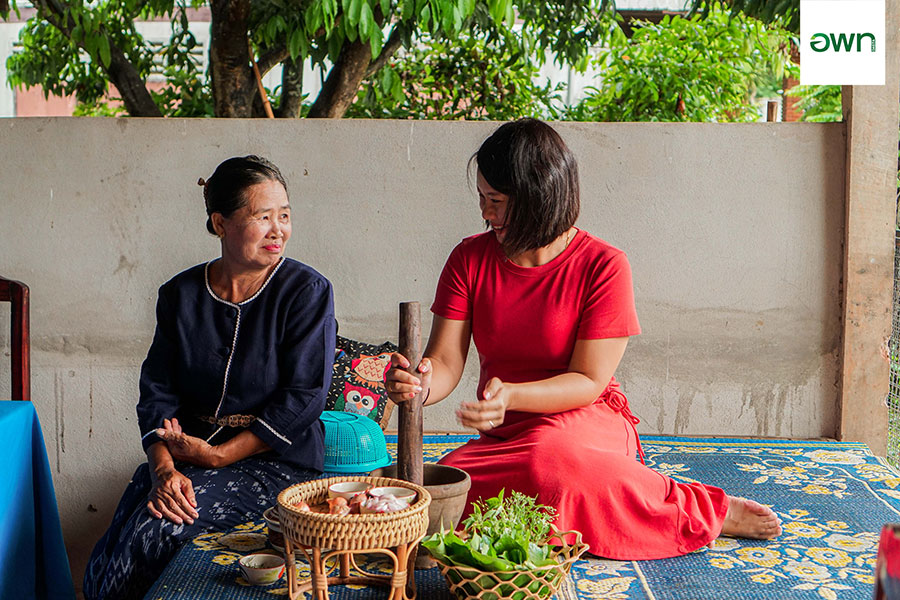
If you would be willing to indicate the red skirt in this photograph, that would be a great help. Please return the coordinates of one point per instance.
(582, 463)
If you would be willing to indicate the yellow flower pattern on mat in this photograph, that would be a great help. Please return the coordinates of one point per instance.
(724, 562)
(226, 558)
(861, 542)
(763, 557)
(763, 578)
(881, 473)
(804, 530)
(825, 557)
(613, 588)
(613, 568)
(807, 477)
(836, 559)
(723, 544)
(835, 457)
(807, 570)
(829, 557)
(669, 469)
(279, 591)
(699, 450)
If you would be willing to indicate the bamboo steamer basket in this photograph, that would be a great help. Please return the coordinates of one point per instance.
(351, 532)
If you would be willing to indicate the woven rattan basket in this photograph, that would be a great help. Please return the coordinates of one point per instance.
(539, 584)
(350, 532)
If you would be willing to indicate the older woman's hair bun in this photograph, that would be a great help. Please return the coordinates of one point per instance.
(225, 191)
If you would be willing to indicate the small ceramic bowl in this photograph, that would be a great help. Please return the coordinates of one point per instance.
(262, 569)
(276, 537)
(400, 493)
(348, 489)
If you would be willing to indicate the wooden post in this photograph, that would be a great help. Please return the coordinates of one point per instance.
(871, 119)
(772, 111)
(409, 434)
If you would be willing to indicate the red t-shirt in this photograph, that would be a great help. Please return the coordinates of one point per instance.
(525, 320)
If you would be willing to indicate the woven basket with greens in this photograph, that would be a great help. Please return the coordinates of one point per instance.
(505, 551)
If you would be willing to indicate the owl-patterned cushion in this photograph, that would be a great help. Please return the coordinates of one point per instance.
(357, 382)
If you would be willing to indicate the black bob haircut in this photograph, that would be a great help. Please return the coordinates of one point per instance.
(529, 161)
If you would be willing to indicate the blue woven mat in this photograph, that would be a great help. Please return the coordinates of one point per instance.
(833, 498)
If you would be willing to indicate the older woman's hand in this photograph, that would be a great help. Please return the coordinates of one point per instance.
(172, 497)
(186, 447)
(400, 385)
(489, 412)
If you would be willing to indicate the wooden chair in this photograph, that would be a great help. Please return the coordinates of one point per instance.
(16, 293)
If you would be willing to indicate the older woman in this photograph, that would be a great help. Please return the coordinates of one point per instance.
(550, 308)
(232, 387)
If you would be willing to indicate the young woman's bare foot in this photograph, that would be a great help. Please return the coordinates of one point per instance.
(748, 519)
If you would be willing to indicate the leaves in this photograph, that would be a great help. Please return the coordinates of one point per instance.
(779, 12)
(502, 534)
(103, 48)
(684, 69)
(474, 77)
(820, 104)
(472, 59)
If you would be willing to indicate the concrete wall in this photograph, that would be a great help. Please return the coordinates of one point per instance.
(733, 232)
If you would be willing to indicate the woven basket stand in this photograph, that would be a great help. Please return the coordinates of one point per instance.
(323, 537)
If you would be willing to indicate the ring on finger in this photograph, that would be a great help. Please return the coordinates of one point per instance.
(491, 423)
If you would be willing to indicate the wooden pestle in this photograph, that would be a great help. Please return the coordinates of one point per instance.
(409, 422)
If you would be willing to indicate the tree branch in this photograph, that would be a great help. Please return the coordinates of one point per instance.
(352, 66)
(342, 83)
(272, 57)
(291, 90)
(393, 43)
(121, 73)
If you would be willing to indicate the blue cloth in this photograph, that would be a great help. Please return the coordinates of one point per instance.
(33, 560)
(269, 356)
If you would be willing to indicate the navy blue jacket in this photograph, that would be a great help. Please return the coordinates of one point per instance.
(269, 356)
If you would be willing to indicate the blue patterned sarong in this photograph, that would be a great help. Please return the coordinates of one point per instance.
(137, 546)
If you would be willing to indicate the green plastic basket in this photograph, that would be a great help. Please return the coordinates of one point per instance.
(353, 443)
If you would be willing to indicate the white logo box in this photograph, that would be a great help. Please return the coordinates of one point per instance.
(842, 21)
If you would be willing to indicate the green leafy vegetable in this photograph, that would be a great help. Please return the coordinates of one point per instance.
(501, 534)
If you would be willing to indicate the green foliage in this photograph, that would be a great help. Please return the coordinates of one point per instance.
(99, 108)
(684, 69)
(501, 534)
(785, 13)
(565, 28)
(71, 52)
(516, 514)
(819, 103)
(473, 78)
(184, 95)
